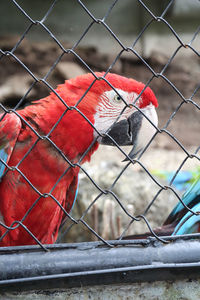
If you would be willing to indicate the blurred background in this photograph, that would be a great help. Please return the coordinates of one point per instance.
(70, 25)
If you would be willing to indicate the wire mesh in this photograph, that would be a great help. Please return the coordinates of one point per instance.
(131, 50)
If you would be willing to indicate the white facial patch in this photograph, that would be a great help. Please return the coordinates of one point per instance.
(110, 108)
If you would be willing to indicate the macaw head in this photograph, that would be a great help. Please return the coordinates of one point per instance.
(119, 116)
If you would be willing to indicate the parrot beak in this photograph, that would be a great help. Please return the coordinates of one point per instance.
(125, 133)
(136, 130)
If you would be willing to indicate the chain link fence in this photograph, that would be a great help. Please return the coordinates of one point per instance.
(90, 217)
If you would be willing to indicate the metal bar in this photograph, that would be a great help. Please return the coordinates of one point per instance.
(87, 264)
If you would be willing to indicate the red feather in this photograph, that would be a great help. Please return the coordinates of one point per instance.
(39, 173)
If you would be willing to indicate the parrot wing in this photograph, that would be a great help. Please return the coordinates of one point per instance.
(71, 196)
(190, 199)
(74, 191)
(190, 223)
(10, 125)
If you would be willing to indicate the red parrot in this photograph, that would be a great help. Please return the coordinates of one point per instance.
(38, 168)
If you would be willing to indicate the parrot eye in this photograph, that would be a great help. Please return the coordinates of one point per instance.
(117, 98)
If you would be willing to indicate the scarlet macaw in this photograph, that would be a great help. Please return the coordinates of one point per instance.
(43, 170)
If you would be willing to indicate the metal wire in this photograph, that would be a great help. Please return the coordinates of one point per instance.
(103, 23)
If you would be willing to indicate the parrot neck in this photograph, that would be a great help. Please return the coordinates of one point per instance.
(73, 134)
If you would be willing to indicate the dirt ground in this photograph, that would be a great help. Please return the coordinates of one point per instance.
(182, 72)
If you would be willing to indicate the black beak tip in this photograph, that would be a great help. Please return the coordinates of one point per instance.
(125, 159)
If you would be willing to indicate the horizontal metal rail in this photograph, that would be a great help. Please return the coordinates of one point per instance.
(88, 264)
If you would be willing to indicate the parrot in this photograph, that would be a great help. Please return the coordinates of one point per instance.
(181, 220)
(43, 145)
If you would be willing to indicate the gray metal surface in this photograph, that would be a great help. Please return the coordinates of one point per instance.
(87, 264)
